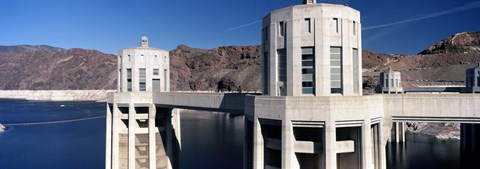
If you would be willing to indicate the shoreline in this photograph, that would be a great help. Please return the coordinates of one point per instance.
(56, 95)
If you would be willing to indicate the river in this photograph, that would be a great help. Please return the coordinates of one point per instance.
(210, 140)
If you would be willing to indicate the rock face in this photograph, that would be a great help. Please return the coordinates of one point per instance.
(232, 68)
(49, 68)
(465, 42)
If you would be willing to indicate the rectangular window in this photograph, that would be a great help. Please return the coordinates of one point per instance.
(165, 74)
(156, 58)
(281, 28)
(155, 72)
(265, 33)
(120, 81)
(336, 70)
(129, 58)
(308, 25)
(282, 71)
(142, 79)
(354, 28)
(356, 72)
(129, 80)
(266, 69)
(335, 24)
(142, 58)
(308, 70)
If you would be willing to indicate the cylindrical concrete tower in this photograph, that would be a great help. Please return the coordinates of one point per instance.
(143, 69)
(312, 50)
(390, 82)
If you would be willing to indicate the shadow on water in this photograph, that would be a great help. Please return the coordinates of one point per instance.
(424, 151)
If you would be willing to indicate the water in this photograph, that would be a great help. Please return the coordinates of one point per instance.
(209, 140)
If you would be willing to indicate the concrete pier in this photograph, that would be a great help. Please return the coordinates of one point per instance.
(398, 132)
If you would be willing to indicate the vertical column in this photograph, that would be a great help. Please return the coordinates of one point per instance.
(131, 136)
(152, 154)
(288, 144)
(115, 137)
(398, 132)
(248, 143)
(330, 145)
(258, 161)
(367, 161)
(108, 139)
(383, 143)
(169, 132)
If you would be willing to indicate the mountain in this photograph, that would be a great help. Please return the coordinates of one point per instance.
(228, 68)
(50, 68)
(443, 63)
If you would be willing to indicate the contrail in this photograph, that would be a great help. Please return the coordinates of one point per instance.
(245, 25)
(449, 11)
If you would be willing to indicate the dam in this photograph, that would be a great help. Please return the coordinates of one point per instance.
(311, 113)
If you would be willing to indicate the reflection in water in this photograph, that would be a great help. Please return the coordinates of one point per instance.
(211, 140)
(423, 151)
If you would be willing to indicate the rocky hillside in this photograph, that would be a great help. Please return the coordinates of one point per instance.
(50, 68)
(442, 63)
(233, 68)
(230, 68)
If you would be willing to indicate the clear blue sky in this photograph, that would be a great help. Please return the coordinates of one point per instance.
(390, 26)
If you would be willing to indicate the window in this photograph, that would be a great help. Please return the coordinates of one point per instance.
(129, 60)
(335, 24)
(142, 79)
(142, 58)
(165, 74)
(129, 80)
(307, 25)
(265, 33)
(282, 71)
(308, 70)
(336, 70)
(281, 28)
(120, 81)
(356, 72)
(354, 28)
(266, 69)
(155, 72)
(156, 58)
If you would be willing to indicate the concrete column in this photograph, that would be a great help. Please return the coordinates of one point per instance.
(383, 143)
(248, 144)
(398, 132)
(289, 160)
(169, 131)
(115, 137)
(367, 160)
(258, 160)
(131, 136)
(330, 145)
(152, 153)
(108, 139)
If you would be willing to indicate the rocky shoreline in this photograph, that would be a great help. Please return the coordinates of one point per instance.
(56, 95)
(441, 131)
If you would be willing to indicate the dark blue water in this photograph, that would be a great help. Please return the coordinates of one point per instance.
(56, 146)
(209, 140)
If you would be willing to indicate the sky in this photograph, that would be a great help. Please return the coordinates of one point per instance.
(389, 26)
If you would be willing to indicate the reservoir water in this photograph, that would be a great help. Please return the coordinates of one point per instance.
(210, 140)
